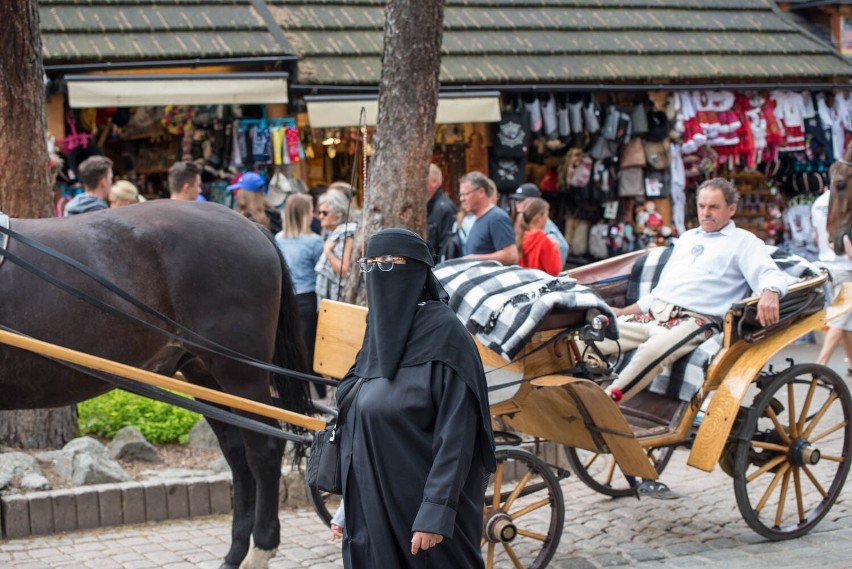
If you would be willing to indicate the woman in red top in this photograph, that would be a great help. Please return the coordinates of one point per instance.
(536, 250)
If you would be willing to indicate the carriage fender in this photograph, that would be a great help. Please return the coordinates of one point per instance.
(748, 361)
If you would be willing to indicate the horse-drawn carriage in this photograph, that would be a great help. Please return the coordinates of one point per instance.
(784, 437)
(149, 308)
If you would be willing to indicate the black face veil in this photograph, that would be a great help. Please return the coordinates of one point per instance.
(392, 299)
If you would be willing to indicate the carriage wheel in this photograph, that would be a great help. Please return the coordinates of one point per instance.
(523, 512)
(600, 472)
(325, 504)
(793, 462)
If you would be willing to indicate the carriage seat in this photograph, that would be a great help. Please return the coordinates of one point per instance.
(683, 379)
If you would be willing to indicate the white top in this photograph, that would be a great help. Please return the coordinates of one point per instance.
(708, 272)
(819, 219)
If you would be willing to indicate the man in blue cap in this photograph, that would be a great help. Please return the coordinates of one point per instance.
(530, 190)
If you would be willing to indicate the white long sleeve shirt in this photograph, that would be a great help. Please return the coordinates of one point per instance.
(708, 272)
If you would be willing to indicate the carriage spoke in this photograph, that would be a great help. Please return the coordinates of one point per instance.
(791, 410)
(513, 556)
(770, 446)
(831, 457)
(489, 563)
(517, 491)
(532, 535)
(782, 432)
(531, 508)
(814, 481)
(768, 466)
(806, 407)
(797, 481)
(610, 472)
(771, 487)
(818, 417)
(827, 432)
(498, 477)
(785, 483)
(592, 459)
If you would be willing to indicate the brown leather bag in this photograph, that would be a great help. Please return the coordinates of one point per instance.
(632, 154)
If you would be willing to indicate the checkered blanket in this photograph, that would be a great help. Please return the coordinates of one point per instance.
(504, 306)
(683, 378)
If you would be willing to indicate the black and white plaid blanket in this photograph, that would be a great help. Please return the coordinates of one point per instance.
(504, 306)
(683, 378)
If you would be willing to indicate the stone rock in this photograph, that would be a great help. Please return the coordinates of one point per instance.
(85, 461)
(292, 491)
(219, 465)
(130, 444)
(16, 466)
(33, 482)
(202, 436)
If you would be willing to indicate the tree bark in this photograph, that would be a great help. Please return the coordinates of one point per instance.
(395, 193)
(25, 186)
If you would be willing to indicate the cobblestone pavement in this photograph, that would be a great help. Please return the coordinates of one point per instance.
(703, 528)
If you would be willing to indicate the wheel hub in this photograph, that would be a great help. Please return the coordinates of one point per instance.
(499, 528)
(803, 454)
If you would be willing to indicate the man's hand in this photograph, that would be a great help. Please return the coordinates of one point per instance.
(424, 540)
(627, 310)
(768, 311)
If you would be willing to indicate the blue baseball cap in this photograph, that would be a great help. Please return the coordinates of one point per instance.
(249, 181)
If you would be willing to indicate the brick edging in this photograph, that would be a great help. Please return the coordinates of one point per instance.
(101, 505)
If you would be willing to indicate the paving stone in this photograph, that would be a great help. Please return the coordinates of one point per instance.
(645, 554)
(156, 508)
(110, 505)
(198, 494)
(220, 496)
(16, 516)
(64, 510)
(41, 513)
(88, 511)
(132, 503)
(177, 500)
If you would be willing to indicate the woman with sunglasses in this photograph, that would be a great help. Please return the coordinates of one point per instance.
(416, 446)
(333, 265)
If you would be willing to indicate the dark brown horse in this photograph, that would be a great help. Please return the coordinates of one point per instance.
(200, 264)
(840, 202)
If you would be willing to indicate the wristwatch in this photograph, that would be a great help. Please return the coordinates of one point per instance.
(774, 289)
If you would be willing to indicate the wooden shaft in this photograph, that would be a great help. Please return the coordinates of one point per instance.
(151, 378)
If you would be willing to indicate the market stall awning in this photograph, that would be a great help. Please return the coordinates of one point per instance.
(345, 110)
(87, 91)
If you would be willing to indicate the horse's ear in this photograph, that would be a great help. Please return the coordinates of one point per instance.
(847, 154)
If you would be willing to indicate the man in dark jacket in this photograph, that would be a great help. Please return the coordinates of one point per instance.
(440, 214)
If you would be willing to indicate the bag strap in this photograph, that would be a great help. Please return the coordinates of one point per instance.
(347, 402)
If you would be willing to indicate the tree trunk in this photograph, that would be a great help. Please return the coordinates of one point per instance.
(25, 187)
(405, 130)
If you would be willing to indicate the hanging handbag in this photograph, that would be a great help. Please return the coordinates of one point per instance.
(323, 470)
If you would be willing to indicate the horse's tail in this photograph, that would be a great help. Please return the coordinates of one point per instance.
(290, 350)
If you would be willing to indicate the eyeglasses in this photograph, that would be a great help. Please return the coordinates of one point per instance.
(323, 213)
(463, 195)
(384, 263)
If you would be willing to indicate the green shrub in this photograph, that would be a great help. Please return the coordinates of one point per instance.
(159, 422)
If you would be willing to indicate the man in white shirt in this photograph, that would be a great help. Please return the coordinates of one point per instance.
(711, 267)
(840, 329)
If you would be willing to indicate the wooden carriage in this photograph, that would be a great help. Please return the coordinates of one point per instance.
(786, 450)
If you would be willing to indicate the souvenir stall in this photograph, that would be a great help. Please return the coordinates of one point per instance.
(620, 169)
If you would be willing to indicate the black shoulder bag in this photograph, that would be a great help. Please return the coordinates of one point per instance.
(323, 471)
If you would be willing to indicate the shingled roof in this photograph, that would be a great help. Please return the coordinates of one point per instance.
(91, 31)
(502, 42)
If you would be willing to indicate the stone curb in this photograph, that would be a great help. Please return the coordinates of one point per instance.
(101, 505)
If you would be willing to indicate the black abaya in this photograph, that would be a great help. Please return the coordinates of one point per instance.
(417, 465)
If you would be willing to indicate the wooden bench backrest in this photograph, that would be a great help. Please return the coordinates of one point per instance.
(340, 331)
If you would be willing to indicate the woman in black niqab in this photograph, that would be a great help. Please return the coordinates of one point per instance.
(417, 443)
